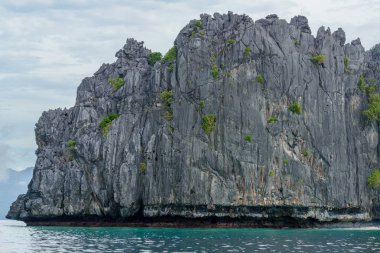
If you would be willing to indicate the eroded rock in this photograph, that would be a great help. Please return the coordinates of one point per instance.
(156, 159)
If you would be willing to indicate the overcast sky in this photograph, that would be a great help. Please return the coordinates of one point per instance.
(47, 47)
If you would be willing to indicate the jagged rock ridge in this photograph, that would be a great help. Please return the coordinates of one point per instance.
(259, 162)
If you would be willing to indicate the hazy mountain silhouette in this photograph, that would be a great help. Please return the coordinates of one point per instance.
(15, 184)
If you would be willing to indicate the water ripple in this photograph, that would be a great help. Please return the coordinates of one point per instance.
(15, 237)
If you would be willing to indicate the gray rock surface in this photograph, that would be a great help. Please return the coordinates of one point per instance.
(309, 166)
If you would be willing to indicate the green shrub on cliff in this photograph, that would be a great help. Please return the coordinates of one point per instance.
(318, 58)
(198, 25)
(154, 57)
(166, 98)
(142, 168)
(116, 83)
(374, 179)
(248, 138)
(361, 83)
(295, 108)
(170, 128)
(214, 71)
(272, 119)
(168, 115)
(369, 89)
(230, 41)
(201, 105)
(346, 62)
(171, 55)
(373, 111)
(71, 143)
(214, 67)
(247, 52)
(106, 122)
(197, 28)
(208, 123)
(171, 67)
(260, 78)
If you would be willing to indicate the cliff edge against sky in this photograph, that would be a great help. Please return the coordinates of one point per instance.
(242, 122)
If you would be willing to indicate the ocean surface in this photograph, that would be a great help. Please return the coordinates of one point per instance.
(16, 237)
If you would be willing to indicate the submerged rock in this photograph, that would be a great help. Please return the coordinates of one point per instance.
(209, 135)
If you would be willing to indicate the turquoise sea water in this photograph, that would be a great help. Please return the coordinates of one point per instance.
(15, 237)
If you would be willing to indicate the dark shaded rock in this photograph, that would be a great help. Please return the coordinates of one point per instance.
(375, 53)
(301, 23)
(158, 161)
(356, 42)
(340, 36)
(272, 17)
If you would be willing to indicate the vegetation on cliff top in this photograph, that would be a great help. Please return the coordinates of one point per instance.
(198, 24)
(154, 57)
(171, 55)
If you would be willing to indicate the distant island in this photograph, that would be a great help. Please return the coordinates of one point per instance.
(15, 183)
(241, 123)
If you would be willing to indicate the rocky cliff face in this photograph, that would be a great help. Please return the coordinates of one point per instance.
(210, 134)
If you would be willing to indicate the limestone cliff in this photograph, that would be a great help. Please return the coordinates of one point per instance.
(208, 133)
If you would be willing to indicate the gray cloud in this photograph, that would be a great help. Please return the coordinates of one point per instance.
(48, 46)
